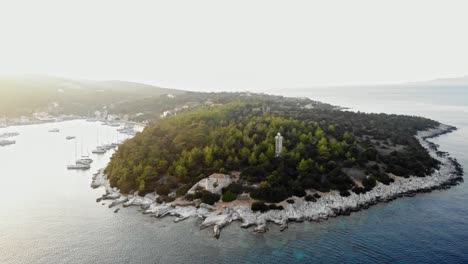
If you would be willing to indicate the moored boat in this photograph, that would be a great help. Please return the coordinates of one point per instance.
(78, 166)
(99, 150)
(10, 134)
(84, 160)
(6, 142)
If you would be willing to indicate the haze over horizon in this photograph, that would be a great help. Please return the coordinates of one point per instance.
(213, 45)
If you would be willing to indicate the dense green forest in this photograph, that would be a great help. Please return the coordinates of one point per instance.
(324, 149)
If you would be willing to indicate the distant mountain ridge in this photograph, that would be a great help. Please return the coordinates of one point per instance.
(454, 81)
(25, 94)
(22, 95)
(34, 81)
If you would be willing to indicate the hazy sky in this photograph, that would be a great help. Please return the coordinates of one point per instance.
(236, 44)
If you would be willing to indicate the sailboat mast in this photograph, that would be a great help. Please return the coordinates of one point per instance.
(75, 149)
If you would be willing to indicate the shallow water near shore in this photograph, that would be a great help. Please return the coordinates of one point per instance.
(49, 214)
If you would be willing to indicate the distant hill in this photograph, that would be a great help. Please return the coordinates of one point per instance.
(27, 94)
(456, 81)
(22, 95)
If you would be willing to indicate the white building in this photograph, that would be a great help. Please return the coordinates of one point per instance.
(213, 183)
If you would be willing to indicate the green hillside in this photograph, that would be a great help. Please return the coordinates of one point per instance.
(323, 149)
(26, 94)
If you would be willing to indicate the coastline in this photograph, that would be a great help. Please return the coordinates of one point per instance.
(329, 205)
(38, 122)
(62, 119)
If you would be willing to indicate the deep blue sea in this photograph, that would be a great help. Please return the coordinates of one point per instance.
(49, 214)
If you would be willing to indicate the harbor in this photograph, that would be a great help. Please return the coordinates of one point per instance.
(90, 140)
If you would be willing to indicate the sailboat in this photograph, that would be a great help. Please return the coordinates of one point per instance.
(78, 166)
(115, 139)
(85, 159)
(9, 134)
(6, 142)
(91, 119)
(99, 149)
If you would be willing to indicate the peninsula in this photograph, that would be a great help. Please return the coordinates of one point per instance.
(257, 158)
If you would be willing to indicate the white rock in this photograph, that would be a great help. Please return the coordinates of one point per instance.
(118, 201)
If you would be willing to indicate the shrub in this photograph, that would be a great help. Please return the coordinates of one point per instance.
(162, 190)
(189, 197)
(348, 163)
(275, 207)
(359, 190)
(375, 167)
(229, 196)
(290, 201)
(198, 195)
(168, 199)
(310, 198)
(234, 188)
(299, 192)
(398, 170)
(259, 206)
(182, 190)
(369, 183)
(344, 193)
(323, 188)
(384, 178)
(317, 196)
(159, 200)
(248, 189)
(209, 198)
(270, 194)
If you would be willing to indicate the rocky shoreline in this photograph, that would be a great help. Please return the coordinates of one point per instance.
(329, 205)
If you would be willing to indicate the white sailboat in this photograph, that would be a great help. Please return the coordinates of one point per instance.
(6, 135)
(9, 134)
(91, 119)
(85, 159)
(6, 142)
(78, 166)
(99, 149)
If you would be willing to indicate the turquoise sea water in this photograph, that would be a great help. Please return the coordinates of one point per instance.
(49, 214)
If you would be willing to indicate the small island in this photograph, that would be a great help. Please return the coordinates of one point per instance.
(259, 158)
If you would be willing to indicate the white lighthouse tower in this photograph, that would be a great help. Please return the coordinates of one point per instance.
(278, 145)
